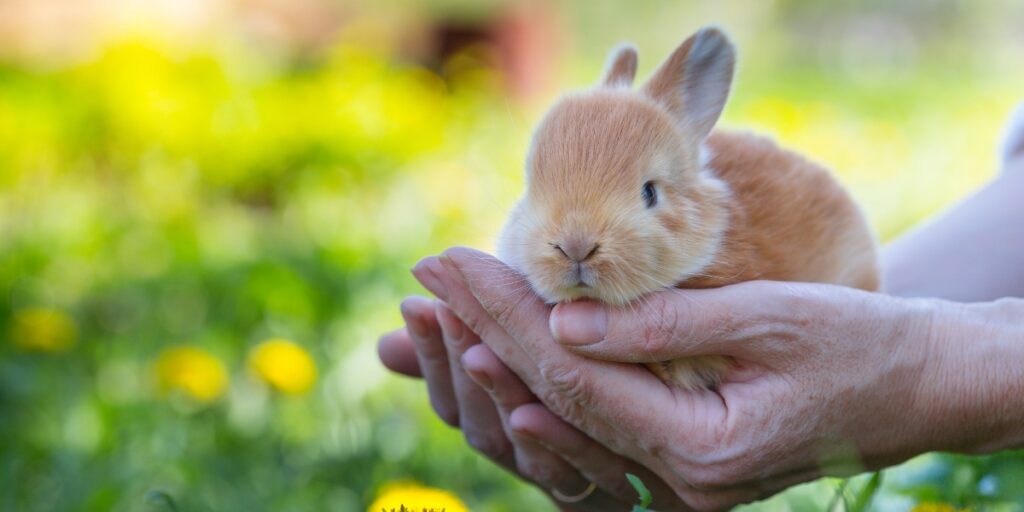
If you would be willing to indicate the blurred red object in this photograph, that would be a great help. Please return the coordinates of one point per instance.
(522, 42)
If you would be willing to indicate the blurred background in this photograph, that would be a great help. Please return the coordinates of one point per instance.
(208, 210)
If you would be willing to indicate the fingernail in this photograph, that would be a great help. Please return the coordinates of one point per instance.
(416, 326)
(526, 435)
(451, 326)
(520, 425)
(452, 268)
(429, 279)
(412, 322)
(482, 379)
(579, 323)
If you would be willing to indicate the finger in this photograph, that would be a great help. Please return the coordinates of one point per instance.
(484, 367)
(478, 417)
(398, 353)
(597, 463)
(440, 280)
(534, 461)
(425, 334)
(432, 274)
(550, 474)
(603, 388)
(607, 469)
(674, 323)
(556, 476)
(727, 497)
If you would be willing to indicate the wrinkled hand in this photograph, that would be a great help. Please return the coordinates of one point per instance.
(826, 376)
(471, 388)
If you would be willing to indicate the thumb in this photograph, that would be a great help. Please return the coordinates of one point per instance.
(670, 324)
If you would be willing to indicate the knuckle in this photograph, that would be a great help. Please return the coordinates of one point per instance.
(703, 480)
(542, 474)
(430, 349)
(708, 478)
(713, 322)
(616, 485)
(505, 312)
(723, 322)
(502, 314)
(659, 330)
(558, 404)
(788, 297)
(456, 347)
(567, 382)
(800, 305)
(490, 445)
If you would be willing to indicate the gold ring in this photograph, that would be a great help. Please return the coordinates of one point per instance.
(577, 498)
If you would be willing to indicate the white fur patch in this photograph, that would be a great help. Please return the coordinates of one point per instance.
(704, 156)
(707, 175)
(509, 245)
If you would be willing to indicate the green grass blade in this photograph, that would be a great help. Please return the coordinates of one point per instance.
(641, 489)
(866, 493)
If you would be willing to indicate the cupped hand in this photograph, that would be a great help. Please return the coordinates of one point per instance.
(470, 388)
(828, 380)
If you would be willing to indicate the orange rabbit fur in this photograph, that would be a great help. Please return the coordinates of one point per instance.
(629, 192)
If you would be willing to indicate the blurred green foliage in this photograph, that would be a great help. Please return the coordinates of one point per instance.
(158, 198)
(212, 197)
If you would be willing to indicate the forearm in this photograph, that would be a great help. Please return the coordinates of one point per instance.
(970, 253)
(974, 393)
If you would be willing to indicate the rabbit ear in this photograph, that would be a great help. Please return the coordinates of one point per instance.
(621, 67)
(694, 81)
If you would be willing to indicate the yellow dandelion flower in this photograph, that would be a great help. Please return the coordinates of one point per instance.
(415, 497)
(283, 365)
(192, 370)
(933, 506)
(44, 330)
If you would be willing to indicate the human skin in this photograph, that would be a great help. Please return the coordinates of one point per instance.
(470, 388)
(970, 253)
(879, 377)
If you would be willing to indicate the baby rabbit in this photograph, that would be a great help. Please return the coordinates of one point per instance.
(629, 192)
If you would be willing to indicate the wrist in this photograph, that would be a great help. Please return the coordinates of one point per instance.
(972, 389)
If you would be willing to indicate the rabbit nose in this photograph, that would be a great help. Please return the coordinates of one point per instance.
(578, 249)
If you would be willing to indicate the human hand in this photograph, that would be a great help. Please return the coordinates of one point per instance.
(471, 388)
(826, 376)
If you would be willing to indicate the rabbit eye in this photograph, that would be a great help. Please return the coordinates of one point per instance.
(650, 194)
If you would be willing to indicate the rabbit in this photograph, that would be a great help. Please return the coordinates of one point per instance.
(629, 192)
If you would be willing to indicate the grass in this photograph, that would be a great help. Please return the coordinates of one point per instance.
(641, 489)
